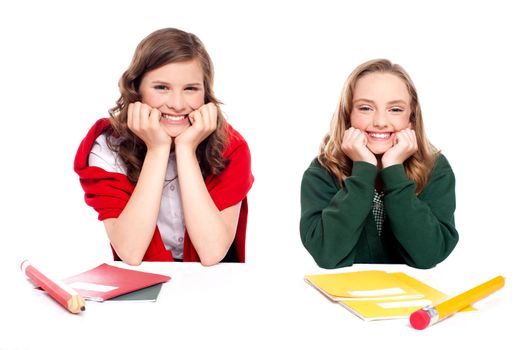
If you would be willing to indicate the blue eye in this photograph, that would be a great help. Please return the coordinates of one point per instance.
(397, 110)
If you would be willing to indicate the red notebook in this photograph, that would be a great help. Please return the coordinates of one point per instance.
(105, 282)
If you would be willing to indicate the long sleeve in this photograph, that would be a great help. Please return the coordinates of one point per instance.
(333, 218)
(338, 229)
(423, 225)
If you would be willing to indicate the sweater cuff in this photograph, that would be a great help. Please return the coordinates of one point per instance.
(393, 175)
(365, 172)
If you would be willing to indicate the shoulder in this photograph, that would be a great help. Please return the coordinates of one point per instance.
(84, 149)
(441, 176)
(318, 185)
(235, 143)
(441, 165)
(102, 155)
(100, 127)
(237, 156)
(315, 166)
(94, 150)
(233, 136)
(318, 173)
(236, 179)
(441, 181)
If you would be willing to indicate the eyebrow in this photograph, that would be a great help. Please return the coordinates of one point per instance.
(372, 102)
(166, 83)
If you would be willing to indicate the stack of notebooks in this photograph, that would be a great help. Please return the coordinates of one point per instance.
(111, 283)
(376, 295)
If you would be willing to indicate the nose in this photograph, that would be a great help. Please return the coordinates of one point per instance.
(380, 119)
(175, 101)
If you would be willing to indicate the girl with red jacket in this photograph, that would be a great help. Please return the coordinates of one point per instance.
(166, 173)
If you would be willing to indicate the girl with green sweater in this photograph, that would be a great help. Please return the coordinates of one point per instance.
(378, 192)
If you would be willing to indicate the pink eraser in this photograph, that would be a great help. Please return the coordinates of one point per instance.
(419, 319)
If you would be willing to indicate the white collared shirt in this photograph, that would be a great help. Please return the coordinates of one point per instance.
(170, 221)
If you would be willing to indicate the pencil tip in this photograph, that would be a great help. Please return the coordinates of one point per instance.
(82, 308)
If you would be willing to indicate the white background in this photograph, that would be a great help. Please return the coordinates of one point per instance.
(280, 67)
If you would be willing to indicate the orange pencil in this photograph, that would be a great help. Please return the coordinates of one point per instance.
(431, 314)
(62, 293)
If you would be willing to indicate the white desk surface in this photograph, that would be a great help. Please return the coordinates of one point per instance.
(239, 306)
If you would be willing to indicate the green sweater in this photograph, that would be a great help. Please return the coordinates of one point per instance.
(337, 225)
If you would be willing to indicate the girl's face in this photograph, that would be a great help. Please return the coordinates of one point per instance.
(381, 107)
(175, 89)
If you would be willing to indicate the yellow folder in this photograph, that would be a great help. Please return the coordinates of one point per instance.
(376, 295)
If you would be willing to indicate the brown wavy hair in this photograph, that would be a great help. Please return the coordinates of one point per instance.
(417, 167)
(162, 47)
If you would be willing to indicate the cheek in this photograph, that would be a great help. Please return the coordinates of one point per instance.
(404, 123)
(359, 122)
(196, 100)
(152, 100)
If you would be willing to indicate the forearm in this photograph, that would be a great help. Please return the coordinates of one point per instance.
(131, 233)
(333, 219)
(426, 241)
(210, 234)
(423, 226)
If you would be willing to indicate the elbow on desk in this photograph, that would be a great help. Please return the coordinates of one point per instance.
(211, 259)
(424, 262)
(328, 266)
(132, 262)
(212, 252)
(324, 257)
(432, 258)
(324, 261)
(423, 265)
(130, 258)
(209, 262)
(329, 262)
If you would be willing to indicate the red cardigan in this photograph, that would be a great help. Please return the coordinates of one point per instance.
(108, 192)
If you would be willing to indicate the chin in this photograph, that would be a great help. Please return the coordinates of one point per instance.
(174, 131)
(378, 151)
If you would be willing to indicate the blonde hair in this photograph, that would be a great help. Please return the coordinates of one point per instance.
(331, 156)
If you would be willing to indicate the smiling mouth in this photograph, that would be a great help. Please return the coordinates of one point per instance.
(175, 118)
(379, 135)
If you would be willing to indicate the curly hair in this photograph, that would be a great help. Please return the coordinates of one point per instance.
(162, 47)
(331, 156)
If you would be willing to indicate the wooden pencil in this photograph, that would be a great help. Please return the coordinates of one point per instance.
(63, 294)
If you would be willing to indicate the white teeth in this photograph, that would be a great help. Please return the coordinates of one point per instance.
(172, 117)
(380, 136)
